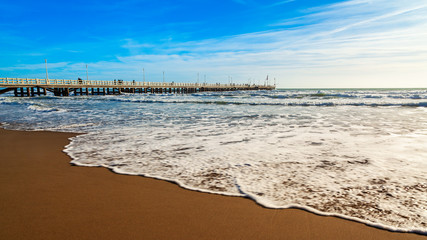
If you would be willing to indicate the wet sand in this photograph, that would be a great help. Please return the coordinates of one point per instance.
(44, 197)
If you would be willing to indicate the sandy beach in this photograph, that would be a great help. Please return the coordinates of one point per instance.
(44, 197)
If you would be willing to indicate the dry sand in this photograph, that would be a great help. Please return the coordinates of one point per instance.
(43, 197)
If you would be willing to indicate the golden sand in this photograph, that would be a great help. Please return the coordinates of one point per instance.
(44, 197)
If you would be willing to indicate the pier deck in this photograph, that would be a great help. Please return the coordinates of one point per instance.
(24, 87)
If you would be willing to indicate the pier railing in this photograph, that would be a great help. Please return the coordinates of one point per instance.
(17, 82)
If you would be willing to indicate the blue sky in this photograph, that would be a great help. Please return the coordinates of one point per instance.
(301, 43)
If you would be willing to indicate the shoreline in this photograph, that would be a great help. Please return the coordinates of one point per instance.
(255, 199)
(45, 197)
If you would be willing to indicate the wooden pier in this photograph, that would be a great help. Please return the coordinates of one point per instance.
(30, 87)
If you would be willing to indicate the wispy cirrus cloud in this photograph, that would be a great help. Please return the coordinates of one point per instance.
(376, 40)
(244, 2)
(280, 3)
(356, 43)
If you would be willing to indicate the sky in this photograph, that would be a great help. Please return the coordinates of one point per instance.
(297, 43)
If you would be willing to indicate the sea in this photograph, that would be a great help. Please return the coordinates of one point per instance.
(359, 154)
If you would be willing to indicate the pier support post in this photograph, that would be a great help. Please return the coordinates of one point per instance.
(41, 91)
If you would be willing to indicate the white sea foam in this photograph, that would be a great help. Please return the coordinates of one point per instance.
(358, 154)
(70, 126)
(363, 165)
(43, 108)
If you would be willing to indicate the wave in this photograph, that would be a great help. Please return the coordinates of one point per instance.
(301, 103)
(42, 108)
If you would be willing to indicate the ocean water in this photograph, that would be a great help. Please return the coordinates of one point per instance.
(357, 154)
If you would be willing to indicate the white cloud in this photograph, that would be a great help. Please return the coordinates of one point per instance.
(376, 40)
(355, 43)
